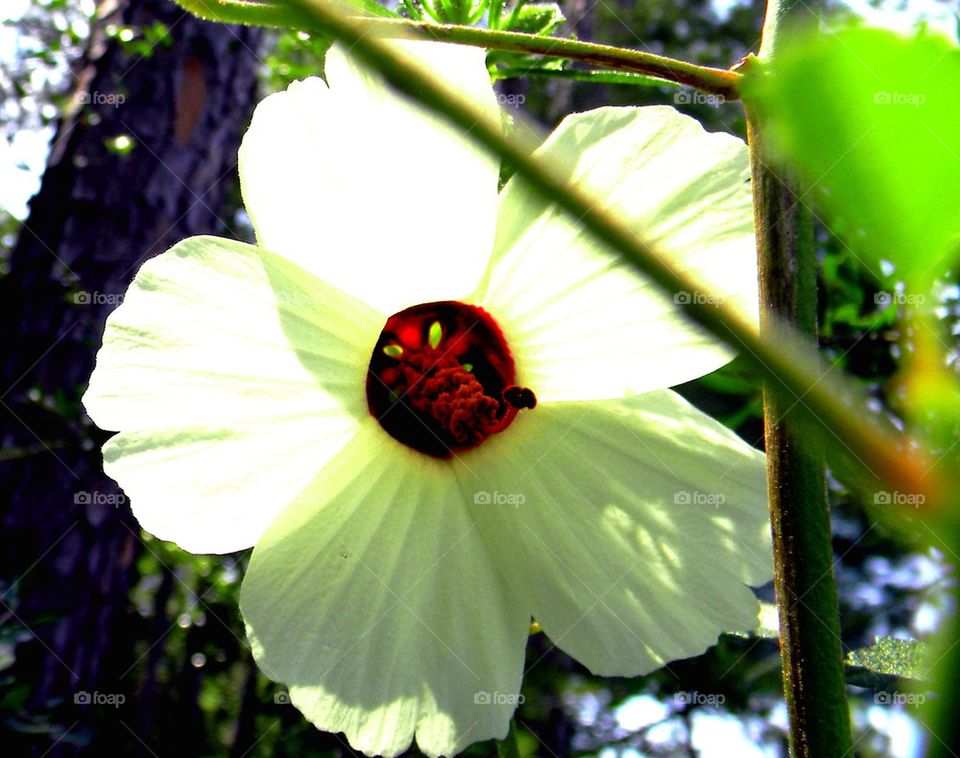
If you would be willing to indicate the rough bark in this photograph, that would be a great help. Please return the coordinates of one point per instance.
(69, 560)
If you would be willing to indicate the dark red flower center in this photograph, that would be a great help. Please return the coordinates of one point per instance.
(441, 378)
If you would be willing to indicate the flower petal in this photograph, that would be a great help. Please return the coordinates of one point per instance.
(631, 527)
(368, 190)
(233, 375)
(374, 600)
(582, 324)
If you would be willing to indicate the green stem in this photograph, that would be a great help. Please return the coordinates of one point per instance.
(495, 9)
(941, 714)
(276, 13)
(810, 647)
(704, 78)
(580, 75)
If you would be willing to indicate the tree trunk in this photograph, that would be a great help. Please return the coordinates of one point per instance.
(105, 205)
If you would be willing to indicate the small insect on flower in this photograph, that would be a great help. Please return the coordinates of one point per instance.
(436, 412)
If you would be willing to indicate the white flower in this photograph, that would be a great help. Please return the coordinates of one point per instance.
(391, 590)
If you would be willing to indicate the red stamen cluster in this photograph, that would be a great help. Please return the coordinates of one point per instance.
(441, 378)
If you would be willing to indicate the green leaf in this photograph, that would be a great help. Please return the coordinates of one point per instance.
(537, 18)
(868, 118)
(889, 657)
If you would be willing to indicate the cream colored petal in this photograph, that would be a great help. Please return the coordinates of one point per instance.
(582, 324)
(631, 527)
(233, 376)
(369, 191)
(373, 599)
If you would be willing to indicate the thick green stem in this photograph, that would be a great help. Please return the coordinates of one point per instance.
(810, 647)
(941, 715)
(714, 81)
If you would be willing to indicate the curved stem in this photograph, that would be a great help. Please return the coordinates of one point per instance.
(704, 78)
(713, 81)
(273, 13)
(834, 409)
(581, 75)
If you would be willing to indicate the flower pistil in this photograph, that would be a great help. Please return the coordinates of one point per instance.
(442, 378)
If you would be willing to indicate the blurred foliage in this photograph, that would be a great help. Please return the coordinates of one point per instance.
(50, 39)
(292, 56)
(890, 657)
(194, 687)
(897, 100)
(542, 19)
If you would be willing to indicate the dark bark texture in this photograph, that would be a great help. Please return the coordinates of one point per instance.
(70, 540)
